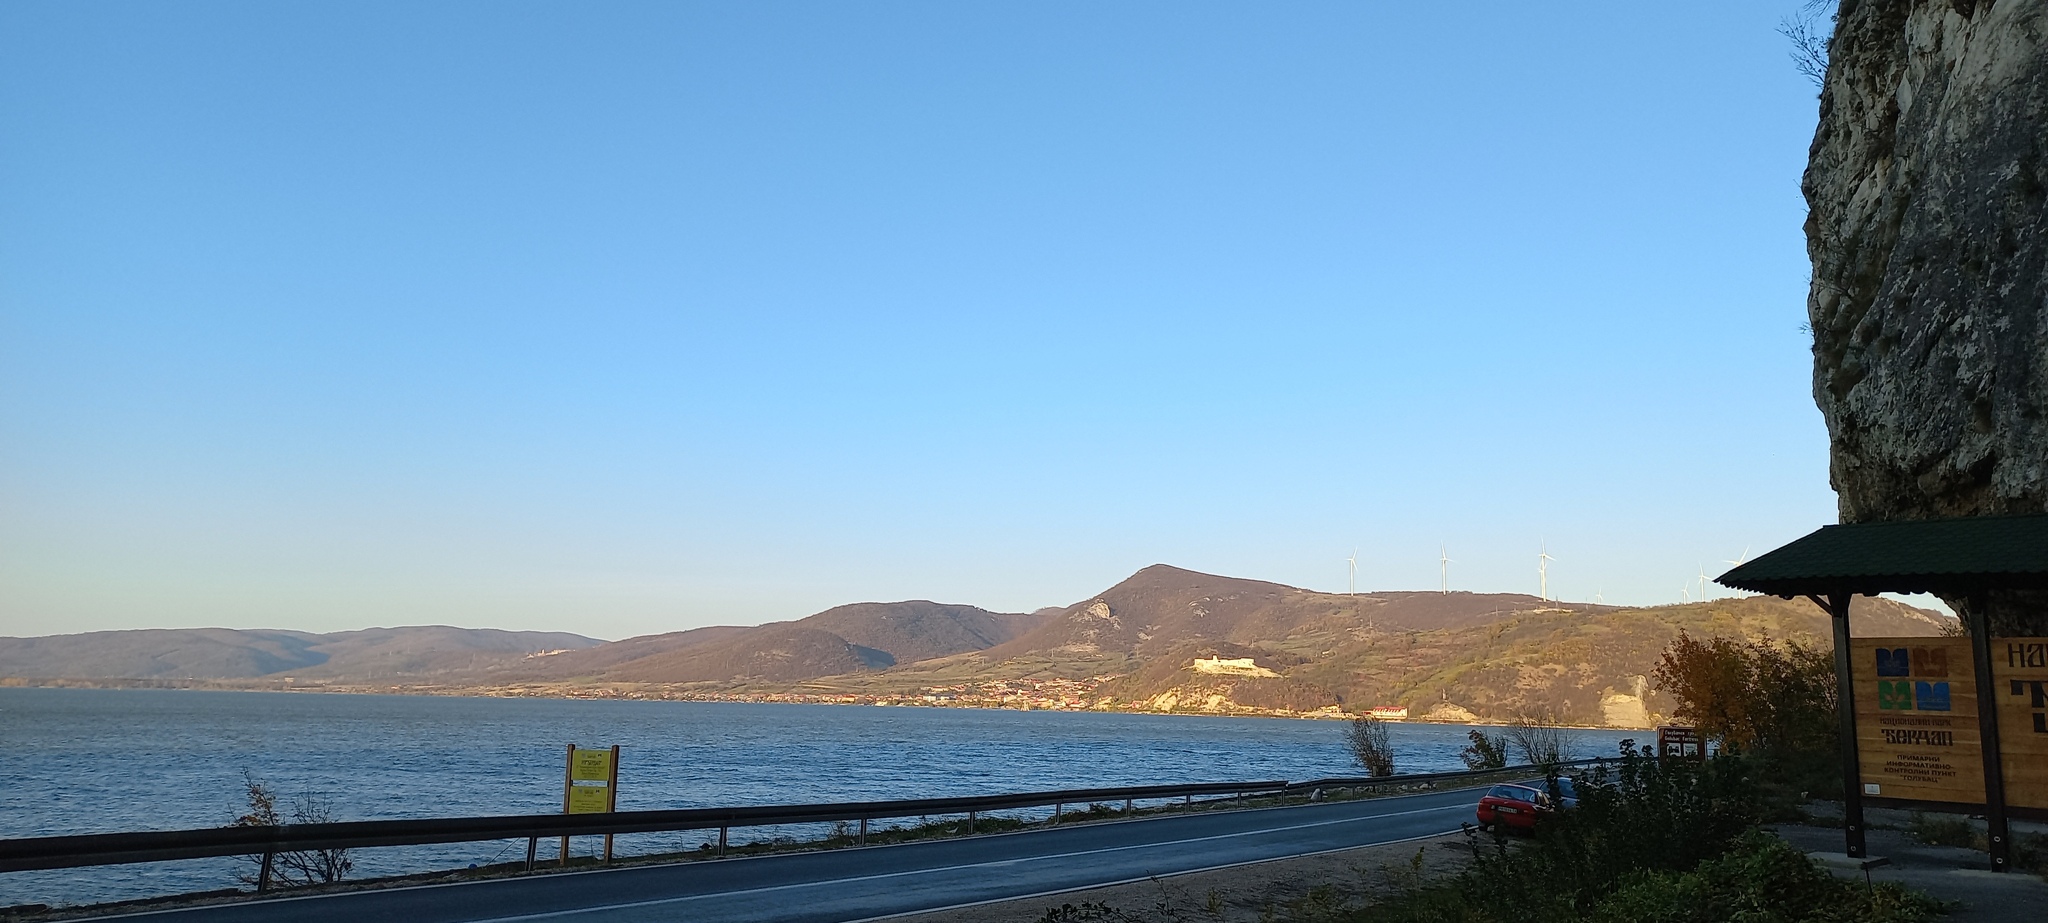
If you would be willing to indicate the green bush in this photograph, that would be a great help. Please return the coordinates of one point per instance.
(2029, 851)
(1650, 843)
(1762, 879)
(1487, 751)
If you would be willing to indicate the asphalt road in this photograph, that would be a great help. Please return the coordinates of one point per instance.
(860, 884)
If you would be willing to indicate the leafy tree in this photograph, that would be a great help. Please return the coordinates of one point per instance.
(1371, 745)
(1487, 751)
(1774, 703)
(1752, 696)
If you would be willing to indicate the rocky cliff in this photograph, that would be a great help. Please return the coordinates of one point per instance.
(1927, 185)
(1928, 190)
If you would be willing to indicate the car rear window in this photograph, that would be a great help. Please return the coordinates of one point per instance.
(1510, 792)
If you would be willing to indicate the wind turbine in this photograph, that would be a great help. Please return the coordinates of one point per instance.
(1352, 587)
(1686, 588)
(1740, 560)
(1703, 583)
(1599, 597)
(1543, 560)
(1443, 559)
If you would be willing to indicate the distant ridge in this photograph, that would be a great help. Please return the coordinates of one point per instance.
(230, 653)
(862, 637)
(1165, 639)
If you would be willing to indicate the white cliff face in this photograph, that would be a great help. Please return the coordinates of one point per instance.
(1928, 231)
(1236, 666)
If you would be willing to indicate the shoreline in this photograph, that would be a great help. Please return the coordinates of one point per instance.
(772, 698)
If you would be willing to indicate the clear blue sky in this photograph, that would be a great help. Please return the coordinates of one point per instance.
(632, 317)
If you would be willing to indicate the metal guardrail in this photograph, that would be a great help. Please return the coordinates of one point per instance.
(75, 851)
(1413, 778)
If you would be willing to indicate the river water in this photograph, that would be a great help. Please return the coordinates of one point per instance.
(102, 761)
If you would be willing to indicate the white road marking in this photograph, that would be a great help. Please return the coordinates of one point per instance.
(630, 905)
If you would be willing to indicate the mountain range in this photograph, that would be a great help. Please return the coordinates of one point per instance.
(1165, 639)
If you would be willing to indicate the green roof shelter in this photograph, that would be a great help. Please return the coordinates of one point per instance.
(1966, 558)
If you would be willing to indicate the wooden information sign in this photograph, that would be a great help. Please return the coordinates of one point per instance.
(2019, 671)
(1916, 719)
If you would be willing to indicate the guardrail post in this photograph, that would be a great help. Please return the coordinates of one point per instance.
(1187, 802)
(263, 875)
(970, 822)
(532, 846)
(1127, 805)
(863, 832)
(1056, 814)
(721, 842)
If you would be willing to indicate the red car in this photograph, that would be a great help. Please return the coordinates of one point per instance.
(1518, 806)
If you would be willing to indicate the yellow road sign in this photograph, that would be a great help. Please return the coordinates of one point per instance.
(591, 766)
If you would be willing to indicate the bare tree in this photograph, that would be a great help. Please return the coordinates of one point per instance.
(1809, 36)
(1537, 738)
(295, 868)
(1370, 745)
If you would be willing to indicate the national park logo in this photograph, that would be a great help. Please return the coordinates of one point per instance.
(1914, 687)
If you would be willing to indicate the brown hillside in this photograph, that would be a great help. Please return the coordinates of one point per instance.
(1163, 608)
(920, 630)
(847, 639)
(1154, 610)
(595, 660)
(782, 652)
(228, 654)
(1587, 665)
(430, 650)
(170, 653)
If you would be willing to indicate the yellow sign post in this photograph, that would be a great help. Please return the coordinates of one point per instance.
(590, 785)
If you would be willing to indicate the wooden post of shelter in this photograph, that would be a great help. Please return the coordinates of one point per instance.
(1997, 833)
(1837, 606)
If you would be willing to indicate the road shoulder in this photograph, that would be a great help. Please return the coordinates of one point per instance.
(1244, 893)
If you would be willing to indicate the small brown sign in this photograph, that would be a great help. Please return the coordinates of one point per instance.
(1916, 719)
(2019, 669)
(1681, 742)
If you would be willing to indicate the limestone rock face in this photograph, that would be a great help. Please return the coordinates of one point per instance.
(1927, 185)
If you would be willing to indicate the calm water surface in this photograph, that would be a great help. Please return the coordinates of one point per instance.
(97, 761)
